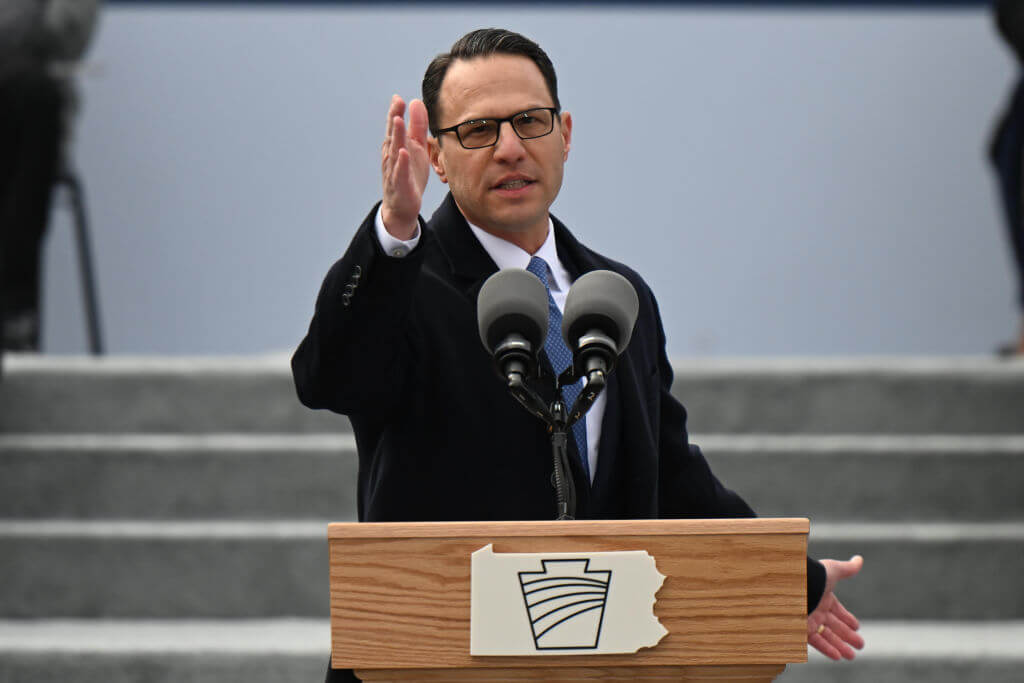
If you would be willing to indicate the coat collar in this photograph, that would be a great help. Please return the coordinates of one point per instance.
(466, 256)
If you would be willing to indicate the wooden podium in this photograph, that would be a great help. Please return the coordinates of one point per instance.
(734, 599)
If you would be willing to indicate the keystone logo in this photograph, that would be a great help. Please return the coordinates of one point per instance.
(565, 604)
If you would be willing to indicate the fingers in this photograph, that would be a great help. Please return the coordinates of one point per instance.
(835, 634)
(418, 122)
(401, 180)
(843, 615)
(841, 646)
(851, 567)
(844, 633)
(820, 643)
(397, 136)
(831, 644)
(832, 630)
(392, 145)
(396, 108)
(837, 570)
(389, 150)
(404, 166)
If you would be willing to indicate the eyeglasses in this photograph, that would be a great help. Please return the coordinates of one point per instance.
(529, 124)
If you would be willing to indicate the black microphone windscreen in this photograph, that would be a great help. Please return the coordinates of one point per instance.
(512, 301)
(604, 300)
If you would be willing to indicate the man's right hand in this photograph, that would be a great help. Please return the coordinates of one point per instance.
(405, 167)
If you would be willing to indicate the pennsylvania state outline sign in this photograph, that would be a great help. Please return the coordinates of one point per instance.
(563, 603)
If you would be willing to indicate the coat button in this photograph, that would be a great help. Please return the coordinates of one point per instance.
(357, 272)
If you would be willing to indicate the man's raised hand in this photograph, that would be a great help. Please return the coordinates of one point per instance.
(405, 167)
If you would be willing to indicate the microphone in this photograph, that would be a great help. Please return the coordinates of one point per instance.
(512, 316)
(600, 311)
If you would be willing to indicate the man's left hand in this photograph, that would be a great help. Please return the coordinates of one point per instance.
(831, 628)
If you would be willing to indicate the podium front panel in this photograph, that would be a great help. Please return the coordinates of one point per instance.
(734, 593)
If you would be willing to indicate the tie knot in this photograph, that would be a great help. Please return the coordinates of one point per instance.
(539, 267)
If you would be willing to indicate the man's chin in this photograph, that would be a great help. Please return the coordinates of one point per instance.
(518, 224)
(518, 215)
(508, 218)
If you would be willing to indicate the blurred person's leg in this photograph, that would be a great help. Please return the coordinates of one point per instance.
(1018, 246)
(1017, 241)
(30, 134)
(1008, 157)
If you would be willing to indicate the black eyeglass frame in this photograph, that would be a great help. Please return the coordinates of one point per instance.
(497, 130)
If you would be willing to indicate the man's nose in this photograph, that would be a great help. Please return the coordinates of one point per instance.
(509, 144)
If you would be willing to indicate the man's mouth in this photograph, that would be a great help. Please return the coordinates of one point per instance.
(516, 184)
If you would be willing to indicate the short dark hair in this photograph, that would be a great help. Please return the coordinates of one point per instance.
(483, 42)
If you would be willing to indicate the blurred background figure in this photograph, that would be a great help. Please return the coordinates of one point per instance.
(40, 43)
(1007, 152)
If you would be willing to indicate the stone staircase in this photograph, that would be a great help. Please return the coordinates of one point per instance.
(163, 519)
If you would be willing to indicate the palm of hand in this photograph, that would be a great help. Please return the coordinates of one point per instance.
(831, 628)
(405, 166)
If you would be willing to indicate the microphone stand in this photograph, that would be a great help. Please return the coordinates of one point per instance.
(554, 416)
(559, 422)
(565, 487)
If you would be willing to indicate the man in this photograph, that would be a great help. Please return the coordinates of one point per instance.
(394, 345)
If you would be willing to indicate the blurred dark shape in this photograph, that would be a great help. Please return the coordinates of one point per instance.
(40, 43)
(1007, 152)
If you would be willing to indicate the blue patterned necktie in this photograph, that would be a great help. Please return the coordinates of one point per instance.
(560, 358)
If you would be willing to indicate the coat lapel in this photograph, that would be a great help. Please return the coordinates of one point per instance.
(469, 262)
(625, 426)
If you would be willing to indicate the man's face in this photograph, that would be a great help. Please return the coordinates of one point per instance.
(487, 183)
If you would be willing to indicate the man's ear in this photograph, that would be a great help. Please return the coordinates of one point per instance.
(436, 158)
(566, 134)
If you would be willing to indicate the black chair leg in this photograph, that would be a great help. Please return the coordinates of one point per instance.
(85, 266)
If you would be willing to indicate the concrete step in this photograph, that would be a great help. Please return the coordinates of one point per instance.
(929, 570)
(162, 394)
(205, 569)
(269, 569)
(313, 476)
(923, 652)
(271, 651)
(873, 478)
(179, 651)
(800, 395)
(898, 395)
(178, 476)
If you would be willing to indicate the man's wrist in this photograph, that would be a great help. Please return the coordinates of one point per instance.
(393, 246)
(400, 230)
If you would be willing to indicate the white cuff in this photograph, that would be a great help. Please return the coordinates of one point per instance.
(392, 245)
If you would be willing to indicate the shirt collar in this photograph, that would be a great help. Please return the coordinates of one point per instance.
(508, 255)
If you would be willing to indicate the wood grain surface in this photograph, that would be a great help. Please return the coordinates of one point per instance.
(578, 527)
(660, 674)
(735, 593)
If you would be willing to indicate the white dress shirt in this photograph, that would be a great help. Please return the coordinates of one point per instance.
(508, 255)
